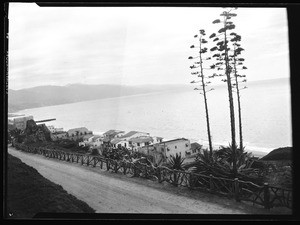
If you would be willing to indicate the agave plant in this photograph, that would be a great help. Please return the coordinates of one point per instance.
(17, 134)
(176, 162)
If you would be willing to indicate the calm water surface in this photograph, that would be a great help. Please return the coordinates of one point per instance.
(266, 114)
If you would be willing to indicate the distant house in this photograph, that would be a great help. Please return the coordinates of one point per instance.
(117, 142)
(54, 129)
(137, 142)
(157, 139)
(113, 134)
(96, 141)
(86, 140)
(77, 133)
(59, 135)
(181, 146)
(195, 148)
(133, 134)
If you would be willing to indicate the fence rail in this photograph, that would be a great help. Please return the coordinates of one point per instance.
(265, 195)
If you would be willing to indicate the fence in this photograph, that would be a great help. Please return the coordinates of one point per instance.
(266, 196)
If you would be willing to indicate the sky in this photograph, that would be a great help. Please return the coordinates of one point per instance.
(133, 45)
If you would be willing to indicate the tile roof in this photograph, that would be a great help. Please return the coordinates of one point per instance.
(130, 133)
(110, 132)
(115, 140)
(141, 139)
(79, 128)
(87, 136)
(174, 140)
(195, 145)
(95, 137)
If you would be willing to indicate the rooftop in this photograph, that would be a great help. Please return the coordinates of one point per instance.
(130, 133)
(115, 141)
(88, 136)
(174, 140)
(141, 139)
(110, 132)
(79, 128)
(195, 145)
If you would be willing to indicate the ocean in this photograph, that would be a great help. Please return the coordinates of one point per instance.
(266, 115)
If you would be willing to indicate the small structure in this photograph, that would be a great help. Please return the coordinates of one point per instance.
(54, 129)
(137, 142)
(96, 141)
(164, 149)
(113, 134)
(77, 133)
(59, 135)
(118, 142)
(195, 148)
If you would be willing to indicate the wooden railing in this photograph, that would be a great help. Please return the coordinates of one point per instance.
(266, 196)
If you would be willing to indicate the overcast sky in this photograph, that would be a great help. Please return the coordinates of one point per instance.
(132, 46)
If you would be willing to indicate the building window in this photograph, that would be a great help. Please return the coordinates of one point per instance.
(146, 143)
(138, 144)
(125, 145)
(175, 147)
(168, 149)
(186, 145)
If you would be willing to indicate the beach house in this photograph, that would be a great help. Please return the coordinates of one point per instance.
(59, 135)
(137, 142)
(195, 149)
(110, 134)
(86, 140)
(181, 146)
(118, 142)
(54, 129)
(96, 141)
(77, 133)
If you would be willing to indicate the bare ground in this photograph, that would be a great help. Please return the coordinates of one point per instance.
(107, 192)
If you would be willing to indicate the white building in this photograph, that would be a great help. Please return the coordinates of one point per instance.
(118, 142)
(137, 142)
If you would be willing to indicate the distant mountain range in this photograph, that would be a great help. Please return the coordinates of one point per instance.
(55, 95)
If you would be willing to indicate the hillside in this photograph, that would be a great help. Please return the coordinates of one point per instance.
(54, 95)
(284, 153)
(29, 193)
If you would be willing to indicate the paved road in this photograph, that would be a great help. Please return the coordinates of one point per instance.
(107, 192)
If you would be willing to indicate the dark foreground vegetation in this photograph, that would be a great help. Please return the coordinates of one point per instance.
(29, 193)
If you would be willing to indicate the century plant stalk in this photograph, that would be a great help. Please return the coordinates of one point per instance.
(239, 102)
(205, 100)
(231, 106)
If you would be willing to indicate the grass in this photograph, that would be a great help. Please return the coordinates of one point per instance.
(29, 193)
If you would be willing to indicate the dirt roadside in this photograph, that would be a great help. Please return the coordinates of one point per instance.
(107, 192)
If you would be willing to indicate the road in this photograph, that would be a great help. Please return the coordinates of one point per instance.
(107, 192)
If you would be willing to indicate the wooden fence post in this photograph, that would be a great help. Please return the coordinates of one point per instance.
(107, 164)
(124, 168)
(101, 164)
(159, 174)
(266, 196)
(95, 162)
(211, 185)
(237, 189)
